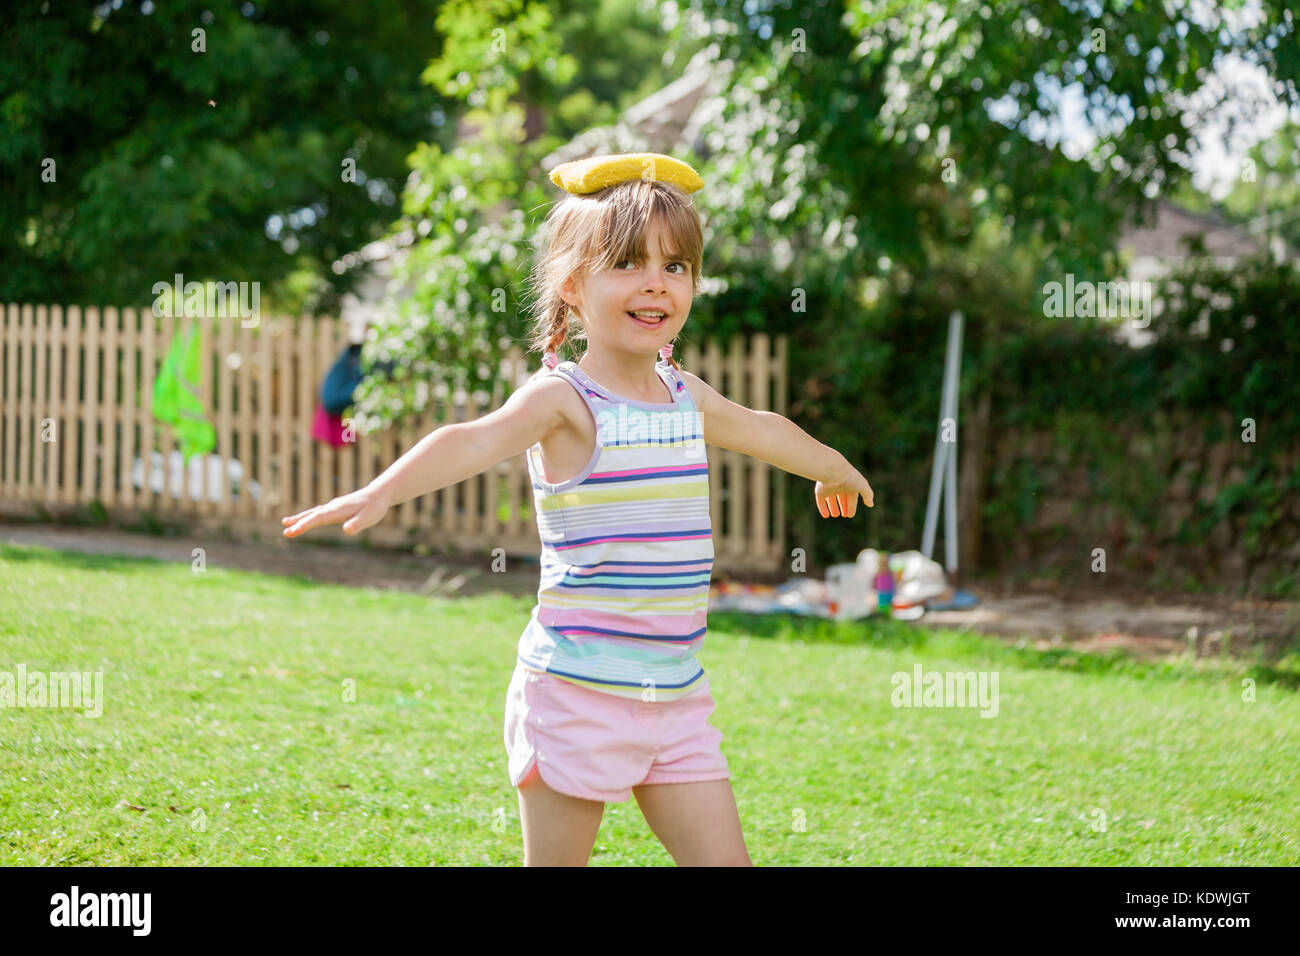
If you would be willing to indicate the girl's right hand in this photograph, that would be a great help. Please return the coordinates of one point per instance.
(839, 496)
(357, 511)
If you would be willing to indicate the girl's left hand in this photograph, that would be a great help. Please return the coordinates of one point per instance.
(839, 497)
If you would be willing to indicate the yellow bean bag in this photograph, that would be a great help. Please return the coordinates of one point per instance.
(598, 172)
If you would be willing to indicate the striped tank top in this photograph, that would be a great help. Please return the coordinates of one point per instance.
(627, 549)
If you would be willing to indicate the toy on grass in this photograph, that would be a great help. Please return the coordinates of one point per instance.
(884, 584)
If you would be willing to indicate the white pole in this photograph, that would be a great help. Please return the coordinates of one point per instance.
(945, 453)
(953, 374)
(931, 506)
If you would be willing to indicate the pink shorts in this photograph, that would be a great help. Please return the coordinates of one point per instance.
(596, 746)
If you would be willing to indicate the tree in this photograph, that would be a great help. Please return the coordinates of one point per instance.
(1267, 193)
(232, 142)
(892, 100)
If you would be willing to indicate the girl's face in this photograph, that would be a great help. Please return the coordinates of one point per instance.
(605, 300)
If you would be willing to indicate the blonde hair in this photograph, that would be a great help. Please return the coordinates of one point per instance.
(584, 234)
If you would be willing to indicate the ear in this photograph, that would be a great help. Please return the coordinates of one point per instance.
(569, 293)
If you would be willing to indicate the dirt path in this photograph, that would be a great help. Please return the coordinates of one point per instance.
(1148, 626)
(1145, 625)
(346, 564)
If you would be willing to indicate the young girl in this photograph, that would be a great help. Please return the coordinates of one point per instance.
(607, 698)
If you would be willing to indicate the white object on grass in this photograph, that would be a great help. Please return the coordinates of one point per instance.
(849, 591)
(177, 471)
(917, 579)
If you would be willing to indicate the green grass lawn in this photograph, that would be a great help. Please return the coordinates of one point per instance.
(226, 737)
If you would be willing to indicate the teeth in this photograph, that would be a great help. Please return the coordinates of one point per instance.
(650, 315)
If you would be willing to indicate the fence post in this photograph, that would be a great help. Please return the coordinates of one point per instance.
(58, 407)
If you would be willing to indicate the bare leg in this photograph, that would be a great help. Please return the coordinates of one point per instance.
(559, 830)
(696, 822)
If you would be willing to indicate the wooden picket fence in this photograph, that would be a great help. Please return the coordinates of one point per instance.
(76, 427)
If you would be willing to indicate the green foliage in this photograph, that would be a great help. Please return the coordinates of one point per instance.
(169, 160)
(1269, 185)
(888, 92)
(827, 159)
(149, 523)
(869, 382)
(1225, 345)
(1235, 331)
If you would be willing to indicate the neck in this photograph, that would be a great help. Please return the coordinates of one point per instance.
(629, 374)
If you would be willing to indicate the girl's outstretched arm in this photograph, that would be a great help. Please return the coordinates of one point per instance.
(778, 441)
(445, 456)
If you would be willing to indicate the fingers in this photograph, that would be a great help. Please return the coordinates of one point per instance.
(311, 518)
(828, 505)
(356, 524)
(843, 504)
(298, 527)
(367, 516)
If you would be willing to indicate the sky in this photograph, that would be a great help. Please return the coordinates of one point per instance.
(1216, 157)
(1216, 164)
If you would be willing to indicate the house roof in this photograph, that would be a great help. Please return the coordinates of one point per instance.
(667, 121)
(1165, 238)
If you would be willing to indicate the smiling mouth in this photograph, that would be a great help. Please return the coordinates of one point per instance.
(649, 322)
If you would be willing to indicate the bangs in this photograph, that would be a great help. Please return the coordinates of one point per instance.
(624, 213)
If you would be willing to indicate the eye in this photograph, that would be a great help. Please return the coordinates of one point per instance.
(682, 268)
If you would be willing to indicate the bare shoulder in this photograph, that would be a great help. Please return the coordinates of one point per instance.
(700, 390)
(554, 395)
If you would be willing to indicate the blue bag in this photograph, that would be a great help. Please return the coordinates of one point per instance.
(342, 380)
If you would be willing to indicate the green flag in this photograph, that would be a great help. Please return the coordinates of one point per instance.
(176, 396)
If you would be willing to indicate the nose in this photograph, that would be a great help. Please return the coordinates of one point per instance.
(655, 283)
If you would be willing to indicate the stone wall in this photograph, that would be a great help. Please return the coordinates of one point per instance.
(1168, 506)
